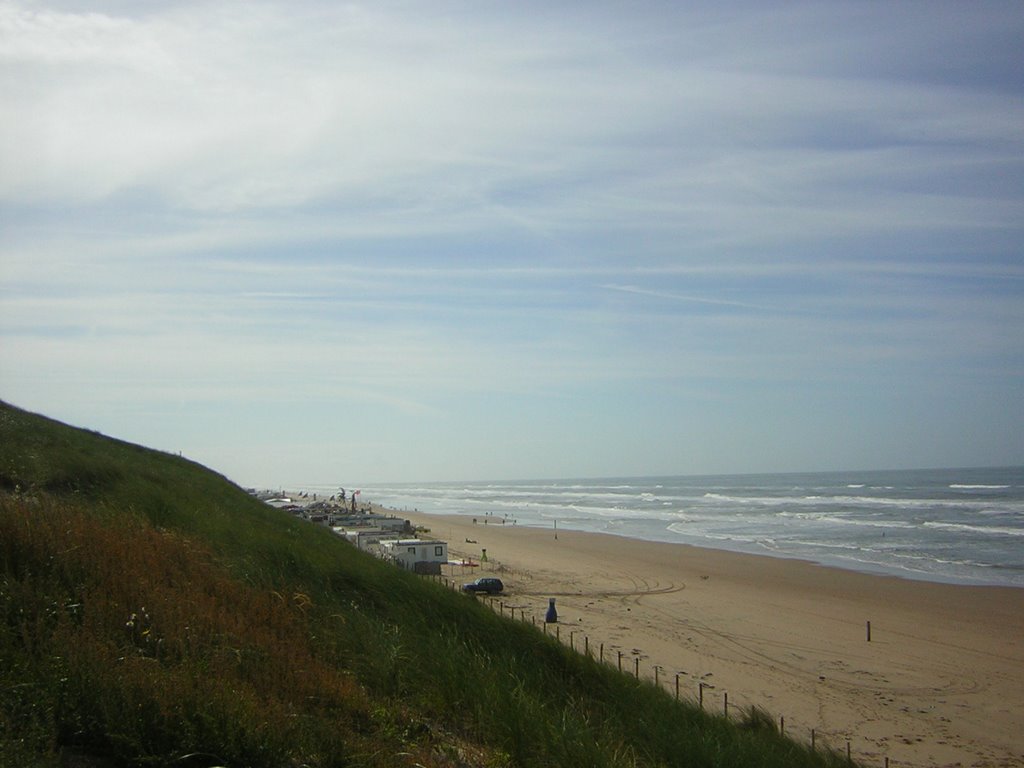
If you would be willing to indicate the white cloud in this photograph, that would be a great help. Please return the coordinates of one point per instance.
(408, 208)
(229, 107)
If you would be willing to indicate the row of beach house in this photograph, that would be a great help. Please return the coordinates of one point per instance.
(382, 535)
(385, 536)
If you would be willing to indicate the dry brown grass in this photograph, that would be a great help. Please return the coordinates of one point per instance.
(140, 643)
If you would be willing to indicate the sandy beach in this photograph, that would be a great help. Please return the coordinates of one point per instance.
(940, 683)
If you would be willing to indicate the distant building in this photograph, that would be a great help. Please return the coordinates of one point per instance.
(418, 555)
(364, 538)
(382, 522)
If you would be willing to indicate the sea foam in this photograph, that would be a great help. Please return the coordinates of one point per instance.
(929, 524)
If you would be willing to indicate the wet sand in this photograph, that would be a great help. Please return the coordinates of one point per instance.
(940, 683)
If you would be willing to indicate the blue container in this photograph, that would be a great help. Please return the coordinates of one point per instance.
(552, 614)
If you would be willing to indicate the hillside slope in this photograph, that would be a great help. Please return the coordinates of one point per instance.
(151, 613)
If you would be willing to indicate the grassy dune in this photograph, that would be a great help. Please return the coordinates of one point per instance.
(152, 613)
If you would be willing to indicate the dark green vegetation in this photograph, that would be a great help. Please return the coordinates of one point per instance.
(151, 613)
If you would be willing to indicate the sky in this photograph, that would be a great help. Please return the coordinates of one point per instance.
(315, 243)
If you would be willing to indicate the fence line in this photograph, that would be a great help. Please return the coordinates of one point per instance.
(656, 681)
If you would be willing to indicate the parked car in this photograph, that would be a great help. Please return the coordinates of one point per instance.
(486, 584)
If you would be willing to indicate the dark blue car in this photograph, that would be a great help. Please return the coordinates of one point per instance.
(487, 584)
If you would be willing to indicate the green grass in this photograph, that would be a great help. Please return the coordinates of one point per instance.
(151, 613)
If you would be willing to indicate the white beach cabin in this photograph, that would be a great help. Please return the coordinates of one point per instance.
(419, 555)
(366, 539)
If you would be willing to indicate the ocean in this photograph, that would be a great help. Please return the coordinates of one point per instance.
(961, 526)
